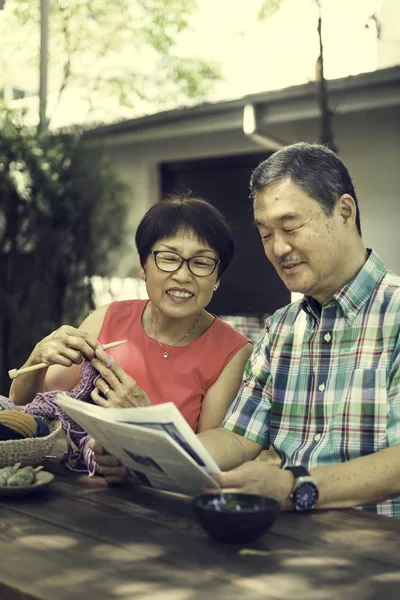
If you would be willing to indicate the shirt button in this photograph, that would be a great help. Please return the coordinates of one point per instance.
(327, 337)
(317, 437)
(321, 387)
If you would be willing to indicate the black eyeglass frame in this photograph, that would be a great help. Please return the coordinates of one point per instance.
(183, 260)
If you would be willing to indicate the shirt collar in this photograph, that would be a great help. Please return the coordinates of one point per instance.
(355, 292)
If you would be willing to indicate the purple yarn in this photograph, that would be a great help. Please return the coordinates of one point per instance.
(7, 404)
(43, 406)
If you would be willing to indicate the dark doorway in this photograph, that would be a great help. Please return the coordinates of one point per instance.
(251, 286)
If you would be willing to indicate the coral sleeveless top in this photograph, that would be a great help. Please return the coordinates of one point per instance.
(188, 372)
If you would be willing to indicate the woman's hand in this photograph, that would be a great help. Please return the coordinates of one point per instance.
(114, 388)
(107, 465)
(65, 346)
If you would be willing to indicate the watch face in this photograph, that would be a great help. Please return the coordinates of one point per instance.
(305, 496)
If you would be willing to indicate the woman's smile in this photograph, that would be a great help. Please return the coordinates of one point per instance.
(179, 295)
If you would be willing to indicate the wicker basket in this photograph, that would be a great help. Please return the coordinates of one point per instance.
(29, 451)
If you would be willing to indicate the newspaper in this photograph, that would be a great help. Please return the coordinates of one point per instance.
(155, 443)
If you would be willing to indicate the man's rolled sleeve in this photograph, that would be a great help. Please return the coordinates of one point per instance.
(393, 422)
(248, 415)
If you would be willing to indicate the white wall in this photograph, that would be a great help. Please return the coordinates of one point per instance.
(141, 175)
(369, 143)
(138, 167)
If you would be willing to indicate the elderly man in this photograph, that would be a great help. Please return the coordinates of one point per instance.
(323, 383)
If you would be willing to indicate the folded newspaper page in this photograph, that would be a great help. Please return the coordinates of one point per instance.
(155, 442)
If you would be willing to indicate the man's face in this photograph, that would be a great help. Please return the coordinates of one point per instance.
(306, 247)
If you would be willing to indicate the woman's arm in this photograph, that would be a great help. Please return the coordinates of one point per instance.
(223, 392)
(63, 350)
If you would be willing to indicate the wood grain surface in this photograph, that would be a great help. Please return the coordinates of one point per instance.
(80, 539)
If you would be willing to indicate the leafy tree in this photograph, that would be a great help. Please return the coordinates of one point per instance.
(124, 51)
(62, 215)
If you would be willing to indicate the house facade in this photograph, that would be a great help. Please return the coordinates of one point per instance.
(211, 150)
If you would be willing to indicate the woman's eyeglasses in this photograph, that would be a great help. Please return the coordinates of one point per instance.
(200, 266)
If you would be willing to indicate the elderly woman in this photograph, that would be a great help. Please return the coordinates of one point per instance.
(176, 350)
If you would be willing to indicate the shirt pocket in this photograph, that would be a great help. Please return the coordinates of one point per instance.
(359, 422)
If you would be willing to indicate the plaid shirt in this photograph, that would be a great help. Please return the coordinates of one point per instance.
(323, 383)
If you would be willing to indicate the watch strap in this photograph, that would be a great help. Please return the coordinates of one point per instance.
(298, 471)
(303, 500)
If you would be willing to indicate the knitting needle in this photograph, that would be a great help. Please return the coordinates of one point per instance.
(14, 373)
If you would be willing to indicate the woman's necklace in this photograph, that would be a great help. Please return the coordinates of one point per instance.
(168, 350)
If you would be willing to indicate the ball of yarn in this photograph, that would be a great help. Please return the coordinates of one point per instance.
(18, 422)
(7, 433)
(42, 427)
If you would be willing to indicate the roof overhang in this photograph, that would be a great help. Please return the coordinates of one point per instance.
(368, 91)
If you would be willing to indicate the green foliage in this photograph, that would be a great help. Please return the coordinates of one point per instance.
(62, 215)
(268, 8)
(192, 75)
(125, 50)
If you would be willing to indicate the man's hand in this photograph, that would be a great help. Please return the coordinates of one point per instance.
(107, 465)
(256, 477)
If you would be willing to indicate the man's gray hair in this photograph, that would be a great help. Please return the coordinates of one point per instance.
(318, 171)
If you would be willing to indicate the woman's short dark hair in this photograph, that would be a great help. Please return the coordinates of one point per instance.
(178, 214)
(317, 170)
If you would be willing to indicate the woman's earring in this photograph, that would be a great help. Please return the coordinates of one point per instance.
(143, 277)
(215, 287)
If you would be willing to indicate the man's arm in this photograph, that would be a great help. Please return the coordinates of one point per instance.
(364, 480)
(245, 429)
(229, 449)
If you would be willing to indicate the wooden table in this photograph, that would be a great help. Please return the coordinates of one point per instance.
(79, 539)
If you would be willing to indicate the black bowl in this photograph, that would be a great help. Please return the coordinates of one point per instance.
(234, 517)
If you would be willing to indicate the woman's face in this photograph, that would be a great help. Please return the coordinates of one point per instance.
(180, 294)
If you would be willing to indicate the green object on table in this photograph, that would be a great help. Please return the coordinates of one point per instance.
(25, 476)
(5, 474)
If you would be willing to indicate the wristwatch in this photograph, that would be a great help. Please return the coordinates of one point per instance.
(305, 492)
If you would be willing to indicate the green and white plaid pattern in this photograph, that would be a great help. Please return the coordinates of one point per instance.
(323, 383)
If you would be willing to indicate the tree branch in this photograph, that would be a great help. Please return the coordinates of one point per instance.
(326, 133)
(67, 70)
